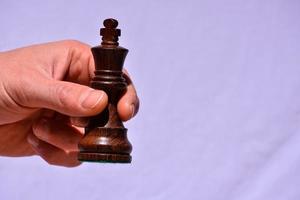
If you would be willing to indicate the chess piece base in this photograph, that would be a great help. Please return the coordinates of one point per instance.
(105, 145)
(104, 158)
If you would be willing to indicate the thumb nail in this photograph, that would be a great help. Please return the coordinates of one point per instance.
(93, 99)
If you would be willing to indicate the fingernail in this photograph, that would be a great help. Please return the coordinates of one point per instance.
(93, 99)
(42, 128)
(33, 141)
(132, 110)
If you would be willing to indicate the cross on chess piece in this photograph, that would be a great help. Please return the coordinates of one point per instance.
(105, 138)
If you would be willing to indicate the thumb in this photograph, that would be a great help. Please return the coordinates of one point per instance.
(68, 98)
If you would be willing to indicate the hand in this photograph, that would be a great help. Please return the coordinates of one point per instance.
(45, 97)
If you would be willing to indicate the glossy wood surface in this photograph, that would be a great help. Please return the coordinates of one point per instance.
(105, 138)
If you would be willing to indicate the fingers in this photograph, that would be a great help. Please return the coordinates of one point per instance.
(51, 154)
(79, 121)
(81, 65)
(66, 98)
(129, 103)
(59, 134)
(81, 70)
(55, 142)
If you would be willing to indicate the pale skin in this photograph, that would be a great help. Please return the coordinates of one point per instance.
(45, 100)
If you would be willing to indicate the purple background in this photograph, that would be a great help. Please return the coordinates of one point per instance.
(219, 83)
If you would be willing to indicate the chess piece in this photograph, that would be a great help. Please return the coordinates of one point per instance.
(105, 138)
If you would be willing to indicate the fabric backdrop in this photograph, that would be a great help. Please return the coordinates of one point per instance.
(219, 84)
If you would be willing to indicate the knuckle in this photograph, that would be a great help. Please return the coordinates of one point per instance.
(62, 93)
(63, 96)
(50, 159)
(49, 155)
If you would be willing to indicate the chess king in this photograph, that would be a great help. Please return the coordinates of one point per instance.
(105, 138)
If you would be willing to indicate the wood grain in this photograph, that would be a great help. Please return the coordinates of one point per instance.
(105, 138)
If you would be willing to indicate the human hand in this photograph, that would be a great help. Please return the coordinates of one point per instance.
(45, 97)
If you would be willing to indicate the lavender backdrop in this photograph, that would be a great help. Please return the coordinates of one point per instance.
(219, 83)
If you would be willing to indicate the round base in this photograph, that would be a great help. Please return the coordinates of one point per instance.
(102, 157)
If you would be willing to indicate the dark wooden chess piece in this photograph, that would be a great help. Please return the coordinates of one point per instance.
(105, 138)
